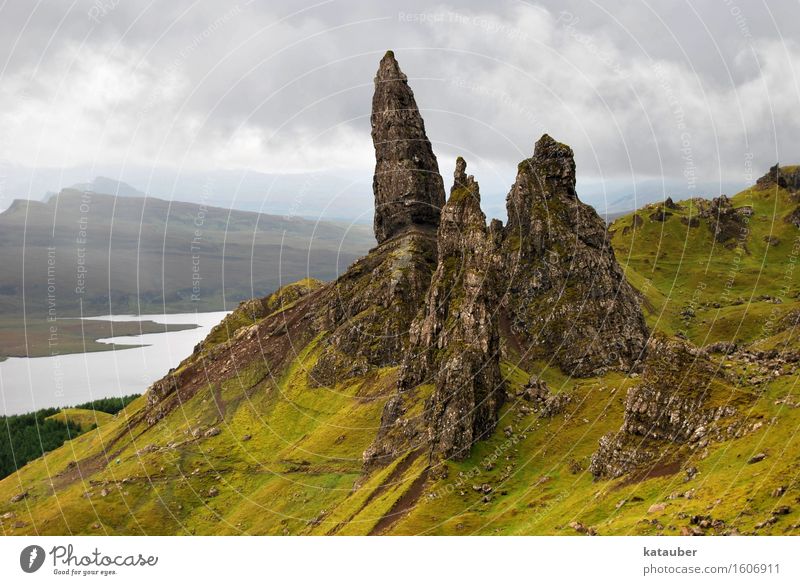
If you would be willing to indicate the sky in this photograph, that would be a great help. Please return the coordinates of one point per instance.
(269, 102)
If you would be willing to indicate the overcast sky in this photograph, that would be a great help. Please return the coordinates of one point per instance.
(696, 94)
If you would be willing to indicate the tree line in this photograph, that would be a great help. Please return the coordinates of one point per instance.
(25, 437)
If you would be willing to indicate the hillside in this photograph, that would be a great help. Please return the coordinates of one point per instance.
(101, 255)
(464, 378)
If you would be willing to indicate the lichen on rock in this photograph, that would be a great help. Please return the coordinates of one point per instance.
(566, 296)
(681, 401)
(454, 342)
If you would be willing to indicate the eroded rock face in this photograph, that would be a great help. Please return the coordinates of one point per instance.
(453, 356)
(407, 185)
(682, 400)
(566, 295)
(370, 308)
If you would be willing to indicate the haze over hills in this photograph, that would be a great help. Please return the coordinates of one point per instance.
(325, 194)
(96, 254)
(543, 376)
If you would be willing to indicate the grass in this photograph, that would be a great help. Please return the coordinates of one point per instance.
(82, 418)
(287, 458)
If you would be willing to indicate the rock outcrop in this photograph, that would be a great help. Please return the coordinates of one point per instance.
(728, 225)
(566, 296)
(682, 401)
(453, 357)
(407, 185)
(431, 296)
(783, 177)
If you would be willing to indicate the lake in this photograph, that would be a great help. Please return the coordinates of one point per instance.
(28, 384)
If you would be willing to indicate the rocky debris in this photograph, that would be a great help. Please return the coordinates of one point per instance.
(536, 391)
(656, 508)
(757, 458)
(578, 527)
(680, 400)
(768, 522)
(670, 204)
(213, 492)
(407, 185)
(212, 432)
(581, 528)
(566, 296)
(772, 240)
(544, 401)
(19, 497)
(727, 224)
(781, 511)
(555, 405)
(778, 491)
(692, 222)
(575, 466)
(454, 342)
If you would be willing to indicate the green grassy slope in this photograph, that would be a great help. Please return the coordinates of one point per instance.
(706, 290)
(258, 454)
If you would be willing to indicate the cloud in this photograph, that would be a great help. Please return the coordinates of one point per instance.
(696, 94)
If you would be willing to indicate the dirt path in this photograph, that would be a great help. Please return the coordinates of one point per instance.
(402, 506)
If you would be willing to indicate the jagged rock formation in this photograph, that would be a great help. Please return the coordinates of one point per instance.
(430, 299)
(454, 343)
(726, 223)
(784, 177)
(407, 185)
(682, 399)
(566, 296)
(373, 304)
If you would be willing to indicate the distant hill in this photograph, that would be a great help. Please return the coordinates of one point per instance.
(110, 186)
(136, 255)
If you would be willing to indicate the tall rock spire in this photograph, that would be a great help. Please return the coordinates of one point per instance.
(452, 360)
(407, 185)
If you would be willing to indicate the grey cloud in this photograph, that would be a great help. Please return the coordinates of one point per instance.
(701, 94)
